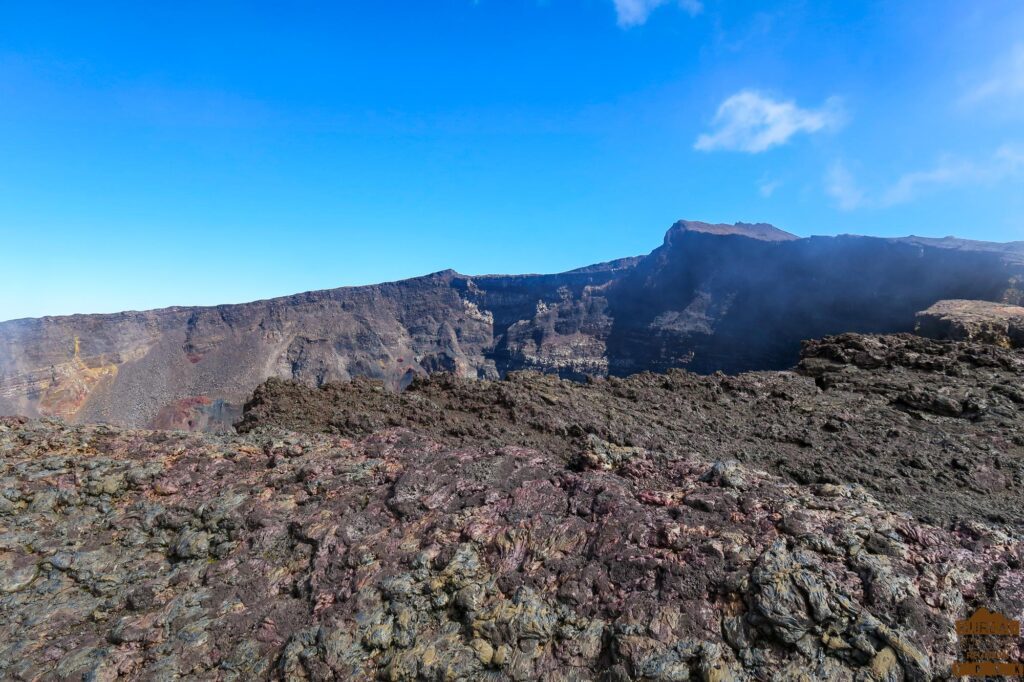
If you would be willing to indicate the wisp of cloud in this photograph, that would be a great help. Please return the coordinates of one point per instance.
(635, 12)
(751, 122)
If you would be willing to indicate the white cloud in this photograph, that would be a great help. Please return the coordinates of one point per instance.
(635, 12)
(1004, 82)
(947, 171)
(751, 122)
(766, 187)
(841, 186)
(1006, 164)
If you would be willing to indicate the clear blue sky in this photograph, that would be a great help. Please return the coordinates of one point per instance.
(206, 152)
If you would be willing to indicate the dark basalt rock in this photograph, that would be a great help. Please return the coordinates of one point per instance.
(930, 427)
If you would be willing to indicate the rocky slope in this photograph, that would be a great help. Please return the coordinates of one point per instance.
(932, 428)
(531, 528)
(712, 297)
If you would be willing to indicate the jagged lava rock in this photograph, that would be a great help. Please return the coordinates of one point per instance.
(934, 428)
(279, 555)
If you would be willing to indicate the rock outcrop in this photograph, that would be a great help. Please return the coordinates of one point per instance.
(531, 528)
(982, 321)
(712, 297)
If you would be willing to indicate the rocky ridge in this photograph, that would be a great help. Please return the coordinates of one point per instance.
(711, 297)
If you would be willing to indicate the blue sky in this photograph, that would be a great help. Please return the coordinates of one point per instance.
(197, 153)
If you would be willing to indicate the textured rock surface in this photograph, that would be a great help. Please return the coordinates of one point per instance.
(982, 321)
(394, 556)
(930, 427)
(712, 297)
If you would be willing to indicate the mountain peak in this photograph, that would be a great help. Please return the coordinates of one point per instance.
(761, 231)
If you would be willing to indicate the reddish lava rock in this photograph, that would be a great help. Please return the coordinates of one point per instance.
(278, 555)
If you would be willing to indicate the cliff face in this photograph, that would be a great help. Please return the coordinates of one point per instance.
(138, 368)
(712, 297)
(734, 303)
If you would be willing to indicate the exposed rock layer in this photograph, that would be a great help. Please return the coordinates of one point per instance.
(981, 321)
(712, 297)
